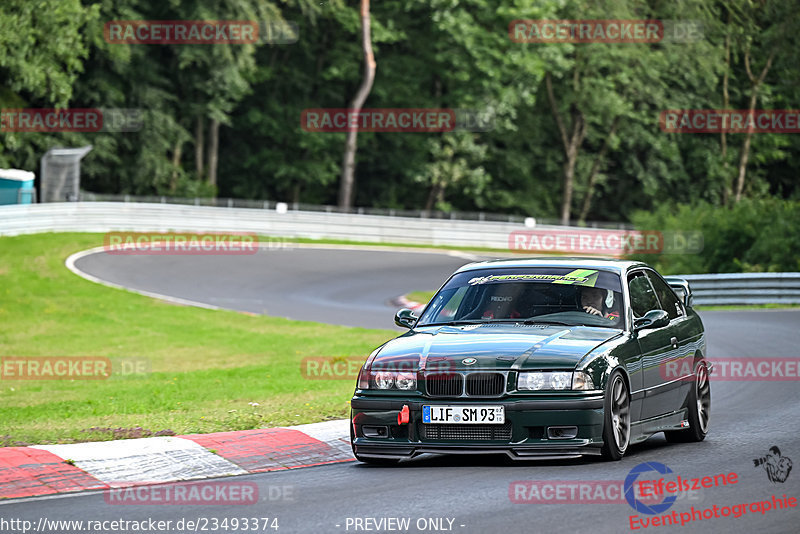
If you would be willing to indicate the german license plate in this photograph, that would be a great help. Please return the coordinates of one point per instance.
(464, 415)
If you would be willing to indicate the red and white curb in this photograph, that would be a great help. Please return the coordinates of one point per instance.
(51, 469)
(414, 306)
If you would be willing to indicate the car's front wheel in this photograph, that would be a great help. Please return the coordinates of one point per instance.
(616, 418)
(699, 409)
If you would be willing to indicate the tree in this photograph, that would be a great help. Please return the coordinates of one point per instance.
(42, 48)
(349, 159)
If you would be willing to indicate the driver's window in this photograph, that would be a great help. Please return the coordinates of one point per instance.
(643, 298)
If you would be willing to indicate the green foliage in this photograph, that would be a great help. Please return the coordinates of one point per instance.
(42, 46)
(753, 236)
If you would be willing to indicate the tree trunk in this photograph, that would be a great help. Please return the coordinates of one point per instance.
(756, 85)
(571, 144)
(199, 144)
(347, 182)
(176, 162)
(726, 190)
(587, 199)
(436, 194)
(213, 151)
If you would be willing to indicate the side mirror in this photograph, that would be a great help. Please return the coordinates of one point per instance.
(652, 319)
(405, 318)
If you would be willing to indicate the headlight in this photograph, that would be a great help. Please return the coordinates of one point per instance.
(554, 380)
(406, 381)
(384, 380)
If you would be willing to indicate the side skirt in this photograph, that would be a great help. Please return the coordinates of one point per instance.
(641, 430)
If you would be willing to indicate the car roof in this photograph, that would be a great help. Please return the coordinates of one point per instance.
(603, 264)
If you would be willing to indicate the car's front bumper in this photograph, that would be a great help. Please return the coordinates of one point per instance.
(524, 435)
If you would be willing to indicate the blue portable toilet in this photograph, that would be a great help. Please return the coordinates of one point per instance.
(16, 187)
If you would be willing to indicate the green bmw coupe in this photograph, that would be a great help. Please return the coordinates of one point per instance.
(537, 358)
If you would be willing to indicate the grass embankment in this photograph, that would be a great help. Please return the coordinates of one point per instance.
(420, 296)
(209, 371)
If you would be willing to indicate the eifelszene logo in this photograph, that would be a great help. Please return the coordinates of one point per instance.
(777, 467)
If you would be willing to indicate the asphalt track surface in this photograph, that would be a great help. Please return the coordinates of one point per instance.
(350, 287)
(747, 418)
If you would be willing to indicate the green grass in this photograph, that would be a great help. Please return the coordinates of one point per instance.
(747, 307)
(205, 367)
(420, 296)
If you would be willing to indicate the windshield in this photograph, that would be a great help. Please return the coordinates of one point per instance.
(549, 295)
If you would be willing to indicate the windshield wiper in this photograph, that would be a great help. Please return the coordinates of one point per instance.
(460, 322)
(500, 321)
(547, 321)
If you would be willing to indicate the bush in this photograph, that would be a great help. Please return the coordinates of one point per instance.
(752, 236)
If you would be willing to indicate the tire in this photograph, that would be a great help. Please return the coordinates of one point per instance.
(616, 418)
(699, 409)
(369, 461)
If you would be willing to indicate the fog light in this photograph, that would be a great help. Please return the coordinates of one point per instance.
(374, 431)
(562, 432)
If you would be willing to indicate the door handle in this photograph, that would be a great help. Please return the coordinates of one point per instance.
(674, 341)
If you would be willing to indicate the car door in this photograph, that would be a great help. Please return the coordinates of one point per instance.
(656, 346)
(679, 362)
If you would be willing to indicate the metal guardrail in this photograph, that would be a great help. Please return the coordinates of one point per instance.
(85, 196)
(707, 289)
(141, 217)
(744, 288)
